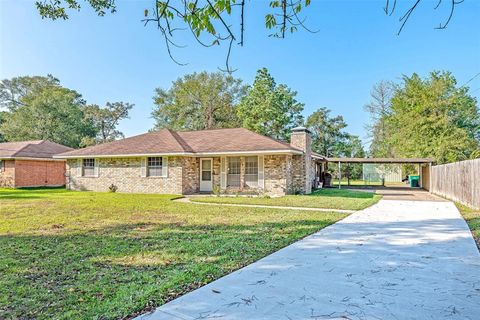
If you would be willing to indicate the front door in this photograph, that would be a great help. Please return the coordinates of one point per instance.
(206, 178)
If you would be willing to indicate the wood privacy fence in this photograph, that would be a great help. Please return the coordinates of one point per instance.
(458, 181)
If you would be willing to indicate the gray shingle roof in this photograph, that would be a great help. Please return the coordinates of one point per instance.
(31, 149)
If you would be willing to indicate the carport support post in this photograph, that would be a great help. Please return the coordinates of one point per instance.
(339, 175)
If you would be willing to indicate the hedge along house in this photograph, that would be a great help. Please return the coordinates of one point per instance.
(31, 164)
(165, 161)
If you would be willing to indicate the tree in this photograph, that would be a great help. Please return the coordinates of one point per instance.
(379, 108)
(433, 117)
(213, 22)
(327, 132)
(199, 101)
(3, 114)
(48, 112)
(270, 109)
(13, 91)
(351, 147)
(105, 121)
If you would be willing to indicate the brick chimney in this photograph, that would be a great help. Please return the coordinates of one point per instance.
(301, 139)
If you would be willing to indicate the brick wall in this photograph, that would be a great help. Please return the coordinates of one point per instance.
(281, 173)
(7, 174)
(37, 173)
(125, 173)
(277, 171)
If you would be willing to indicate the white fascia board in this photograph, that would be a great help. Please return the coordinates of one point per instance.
(186, 154)
(33, 159)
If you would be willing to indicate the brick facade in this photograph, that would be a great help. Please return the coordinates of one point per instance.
(126, 175)
(19, 173)
(281, 176)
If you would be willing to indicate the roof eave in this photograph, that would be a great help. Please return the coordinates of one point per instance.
(186, 154)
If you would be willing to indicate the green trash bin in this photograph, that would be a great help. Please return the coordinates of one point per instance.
(414, 181)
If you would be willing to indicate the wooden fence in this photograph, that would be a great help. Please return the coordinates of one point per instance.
(458, 181)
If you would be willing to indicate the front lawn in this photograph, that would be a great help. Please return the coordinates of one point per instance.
(85, 255)
(472, 217)
(323, 198)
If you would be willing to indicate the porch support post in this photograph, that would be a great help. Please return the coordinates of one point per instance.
(339, 175)
(430, 177)
(242, 173)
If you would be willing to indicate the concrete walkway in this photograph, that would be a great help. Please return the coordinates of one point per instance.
(394, 260)
(188, 200)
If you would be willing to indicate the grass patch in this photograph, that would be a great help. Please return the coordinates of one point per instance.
(323, 198)
(86, 255)
(472, 217)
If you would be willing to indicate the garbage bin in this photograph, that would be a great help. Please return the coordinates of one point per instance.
(414, 181)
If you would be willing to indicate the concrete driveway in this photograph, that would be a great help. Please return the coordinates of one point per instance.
(395, 260)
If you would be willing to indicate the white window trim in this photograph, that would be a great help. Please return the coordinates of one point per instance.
(145, 171)
(95, 168)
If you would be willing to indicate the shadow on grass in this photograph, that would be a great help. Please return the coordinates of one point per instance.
(119, 270)
(331, 192)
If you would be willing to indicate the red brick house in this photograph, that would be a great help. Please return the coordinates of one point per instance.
(166, 161)
(31, 164)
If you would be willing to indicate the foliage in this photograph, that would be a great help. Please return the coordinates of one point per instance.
(3, 114)
(351, 147)
(13, 91)
(322, 198)
(216, 22)
(199, 101)
(327, 132)
(105, 121)
(41, 109)
(112, 188)
(472, 217)
(87, 255)
(270, 109)
(379, 108)
(433, 117)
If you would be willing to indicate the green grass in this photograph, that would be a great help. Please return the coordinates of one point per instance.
(472, 217)
(85, 255)
(323, 198)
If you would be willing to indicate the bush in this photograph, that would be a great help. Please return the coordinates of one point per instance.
(113, 188)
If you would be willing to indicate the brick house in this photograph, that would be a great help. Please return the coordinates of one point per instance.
(31, 164)
(165, 161)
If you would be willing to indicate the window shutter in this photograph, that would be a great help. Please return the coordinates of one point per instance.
(79, 167)
(261, 175)
(223, 173)
(165, 167)
(143, 167)
(96, 168)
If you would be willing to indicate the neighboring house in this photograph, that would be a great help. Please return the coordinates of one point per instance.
(165, 161)
(375, 172)
(31, 164)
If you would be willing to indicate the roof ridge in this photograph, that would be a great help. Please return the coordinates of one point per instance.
(29, 143)
(183, 144)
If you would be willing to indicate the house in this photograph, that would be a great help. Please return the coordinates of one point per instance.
(228, 160)
(31, 164)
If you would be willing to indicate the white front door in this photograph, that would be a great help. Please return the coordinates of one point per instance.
(206, 177)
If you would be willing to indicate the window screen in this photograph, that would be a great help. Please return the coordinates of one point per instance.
(88, 167)
(251, 171)
(233, 176)
(155, 166)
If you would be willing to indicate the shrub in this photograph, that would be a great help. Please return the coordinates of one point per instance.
(113, 188)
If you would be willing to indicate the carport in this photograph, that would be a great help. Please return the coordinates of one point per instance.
(423, 165)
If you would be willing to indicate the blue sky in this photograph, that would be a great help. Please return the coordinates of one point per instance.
(116, 58)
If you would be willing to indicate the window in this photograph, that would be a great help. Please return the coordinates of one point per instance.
(2, 165)
(206, 170)
(88, 167)
(154, 166)
(233, 176)
(251, 171)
